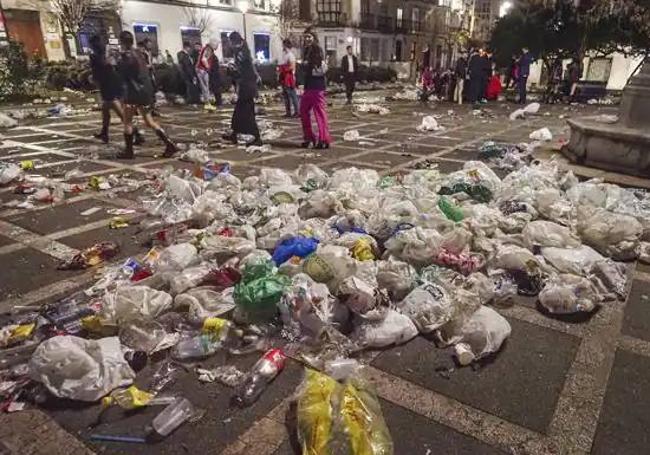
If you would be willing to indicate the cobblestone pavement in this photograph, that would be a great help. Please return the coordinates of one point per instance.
(558, 386)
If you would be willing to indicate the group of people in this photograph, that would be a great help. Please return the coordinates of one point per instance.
(199, 68)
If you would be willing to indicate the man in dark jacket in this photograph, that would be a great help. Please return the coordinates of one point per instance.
(350, 70)
(524, 70)
(188, 72)
(460, 73)
(475, 70)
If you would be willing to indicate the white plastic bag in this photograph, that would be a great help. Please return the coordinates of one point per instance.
(395, 328)
(78, 369)
(351, 135)
(183, 189)
(188, 278)
(567, 294)
(397, 277)
(532, 108)
(542, 134)
(577, 261)
(512, 257)
(128, 302)
(176, 257)
(429, 306)
(429, 123)
(612, 234)
(546, 233)
(205, 302)
(517, 114)
(482, 334)
(7, 122)
(9, 172)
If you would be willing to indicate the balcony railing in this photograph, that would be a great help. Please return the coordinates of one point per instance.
(331, 19)
(385, 24)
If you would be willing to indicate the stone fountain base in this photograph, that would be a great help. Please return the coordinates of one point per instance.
(609, 146)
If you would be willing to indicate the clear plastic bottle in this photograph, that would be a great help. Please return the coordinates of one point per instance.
(196, 347)
(172, 417)
(263, 372)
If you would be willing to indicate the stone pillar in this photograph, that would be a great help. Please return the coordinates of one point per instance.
(635, 104)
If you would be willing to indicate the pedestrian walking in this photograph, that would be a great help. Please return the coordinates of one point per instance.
(524, 71)
(350, 70)
(147, 52)
(287, 79)
(574, 73)
(108, 82)
(513, 72)
(137, 97)
(188, 72)
(460, 72)
(313, 99)
(244, 73)
(475, 72)
(203, 67)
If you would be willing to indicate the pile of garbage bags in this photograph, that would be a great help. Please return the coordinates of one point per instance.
(320, 267)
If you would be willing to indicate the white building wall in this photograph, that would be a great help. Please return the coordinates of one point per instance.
(170, 18)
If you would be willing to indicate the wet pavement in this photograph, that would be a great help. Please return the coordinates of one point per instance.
(557, 386)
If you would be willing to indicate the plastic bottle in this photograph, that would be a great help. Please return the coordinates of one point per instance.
(172, 417)
(258, 378)
(197, 347)
(482, 334)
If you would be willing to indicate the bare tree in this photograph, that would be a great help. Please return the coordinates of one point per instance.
(289, 20)
(71, 14)
(199, 18)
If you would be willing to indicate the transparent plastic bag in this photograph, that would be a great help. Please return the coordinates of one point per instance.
(394, 328)
(567, 294)
(482, 334)
(429, 306)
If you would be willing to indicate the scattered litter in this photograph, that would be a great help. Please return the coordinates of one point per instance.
(542, 134)
(373, 109)
(429, 123)
(90, 211)
(351, 135)
(7, 122)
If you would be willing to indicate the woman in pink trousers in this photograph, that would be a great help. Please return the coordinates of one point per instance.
(313, 99)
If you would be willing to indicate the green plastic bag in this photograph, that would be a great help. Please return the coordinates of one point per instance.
(450, 210)
(260, 289)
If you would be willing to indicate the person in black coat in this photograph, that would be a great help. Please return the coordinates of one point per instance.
(109, 84)
(350, 70)
(244, 73)
(215, 76)
(475, 71)
(187, 67)
(138, 93)
(460, 74)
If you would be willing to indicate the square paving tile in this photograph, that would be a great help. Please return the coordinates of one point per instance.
(130, 240)
(289, 161)
(83, 166)
(28, 269)
(636, 321)
(533, 358)
(36, 137)
(383, 158)
(60, 217)
(625, 415)
(6, 241)
(37, 159)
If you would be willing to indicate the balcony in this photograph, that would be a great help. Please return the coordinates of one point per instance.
(405, 26)
(385, 24)
(368, 21)
(331, 19)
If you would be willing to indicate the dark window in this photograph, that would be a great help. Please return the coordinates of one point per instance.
(262, 43)
(142, 31)
(226, 51)
(191, 34)
(329, 10)
(398, 51)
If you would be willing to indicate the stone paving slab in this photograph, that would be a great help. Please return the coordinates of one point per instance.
(636, 321)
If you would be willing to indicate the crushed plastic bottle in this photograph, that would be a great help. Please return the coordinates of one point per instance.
(172, 417)
(258, 378)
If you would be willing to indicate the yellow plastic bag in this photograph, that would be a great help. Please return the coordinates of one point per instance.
(362, 250)
(336, 419)
(315, 413)
(129, 398)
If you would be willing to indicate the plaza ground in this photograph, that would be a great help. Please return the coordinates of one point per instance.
(557, 386)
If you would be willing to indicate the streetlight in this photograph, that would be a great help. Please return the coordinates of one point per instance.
(504, 8)
(243, 7)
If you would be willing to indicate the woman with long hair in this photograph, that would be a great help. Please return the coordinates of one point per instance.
(138, 93)
(245, 75)
(313, 98)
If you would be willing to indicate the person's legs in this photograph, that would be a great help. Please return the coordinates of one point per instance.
(459, 89)
(293, 97)
(320, 112)
(204, 81)
(306, 105)
(106, 121)
(522, 89)
(128, 134)
(287, 102)
(170, 147)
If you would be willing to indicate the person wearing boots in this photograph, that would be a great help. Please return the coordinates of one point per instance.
(245, 75)
(109, 84)
(138, 92)
(313, 98)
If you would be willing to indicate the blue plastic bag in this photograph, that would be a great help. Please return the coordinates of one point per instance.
(294, 246)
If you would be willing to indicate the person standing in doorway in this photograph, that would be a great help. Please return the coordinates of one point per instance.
(109, 84)
(186, 64)
(138, 95)
(313, 99)
(524, 71)
(287, 79)
(244, 73)
(350, 70)
(460, 72)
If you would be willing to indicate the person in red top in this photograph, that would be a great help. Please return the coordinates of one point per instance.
(203, 68)
(494, 85)
(428, 85)
(287, 79)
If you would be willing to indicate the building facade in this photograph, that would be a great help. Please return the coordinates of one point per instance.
(486, 13)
